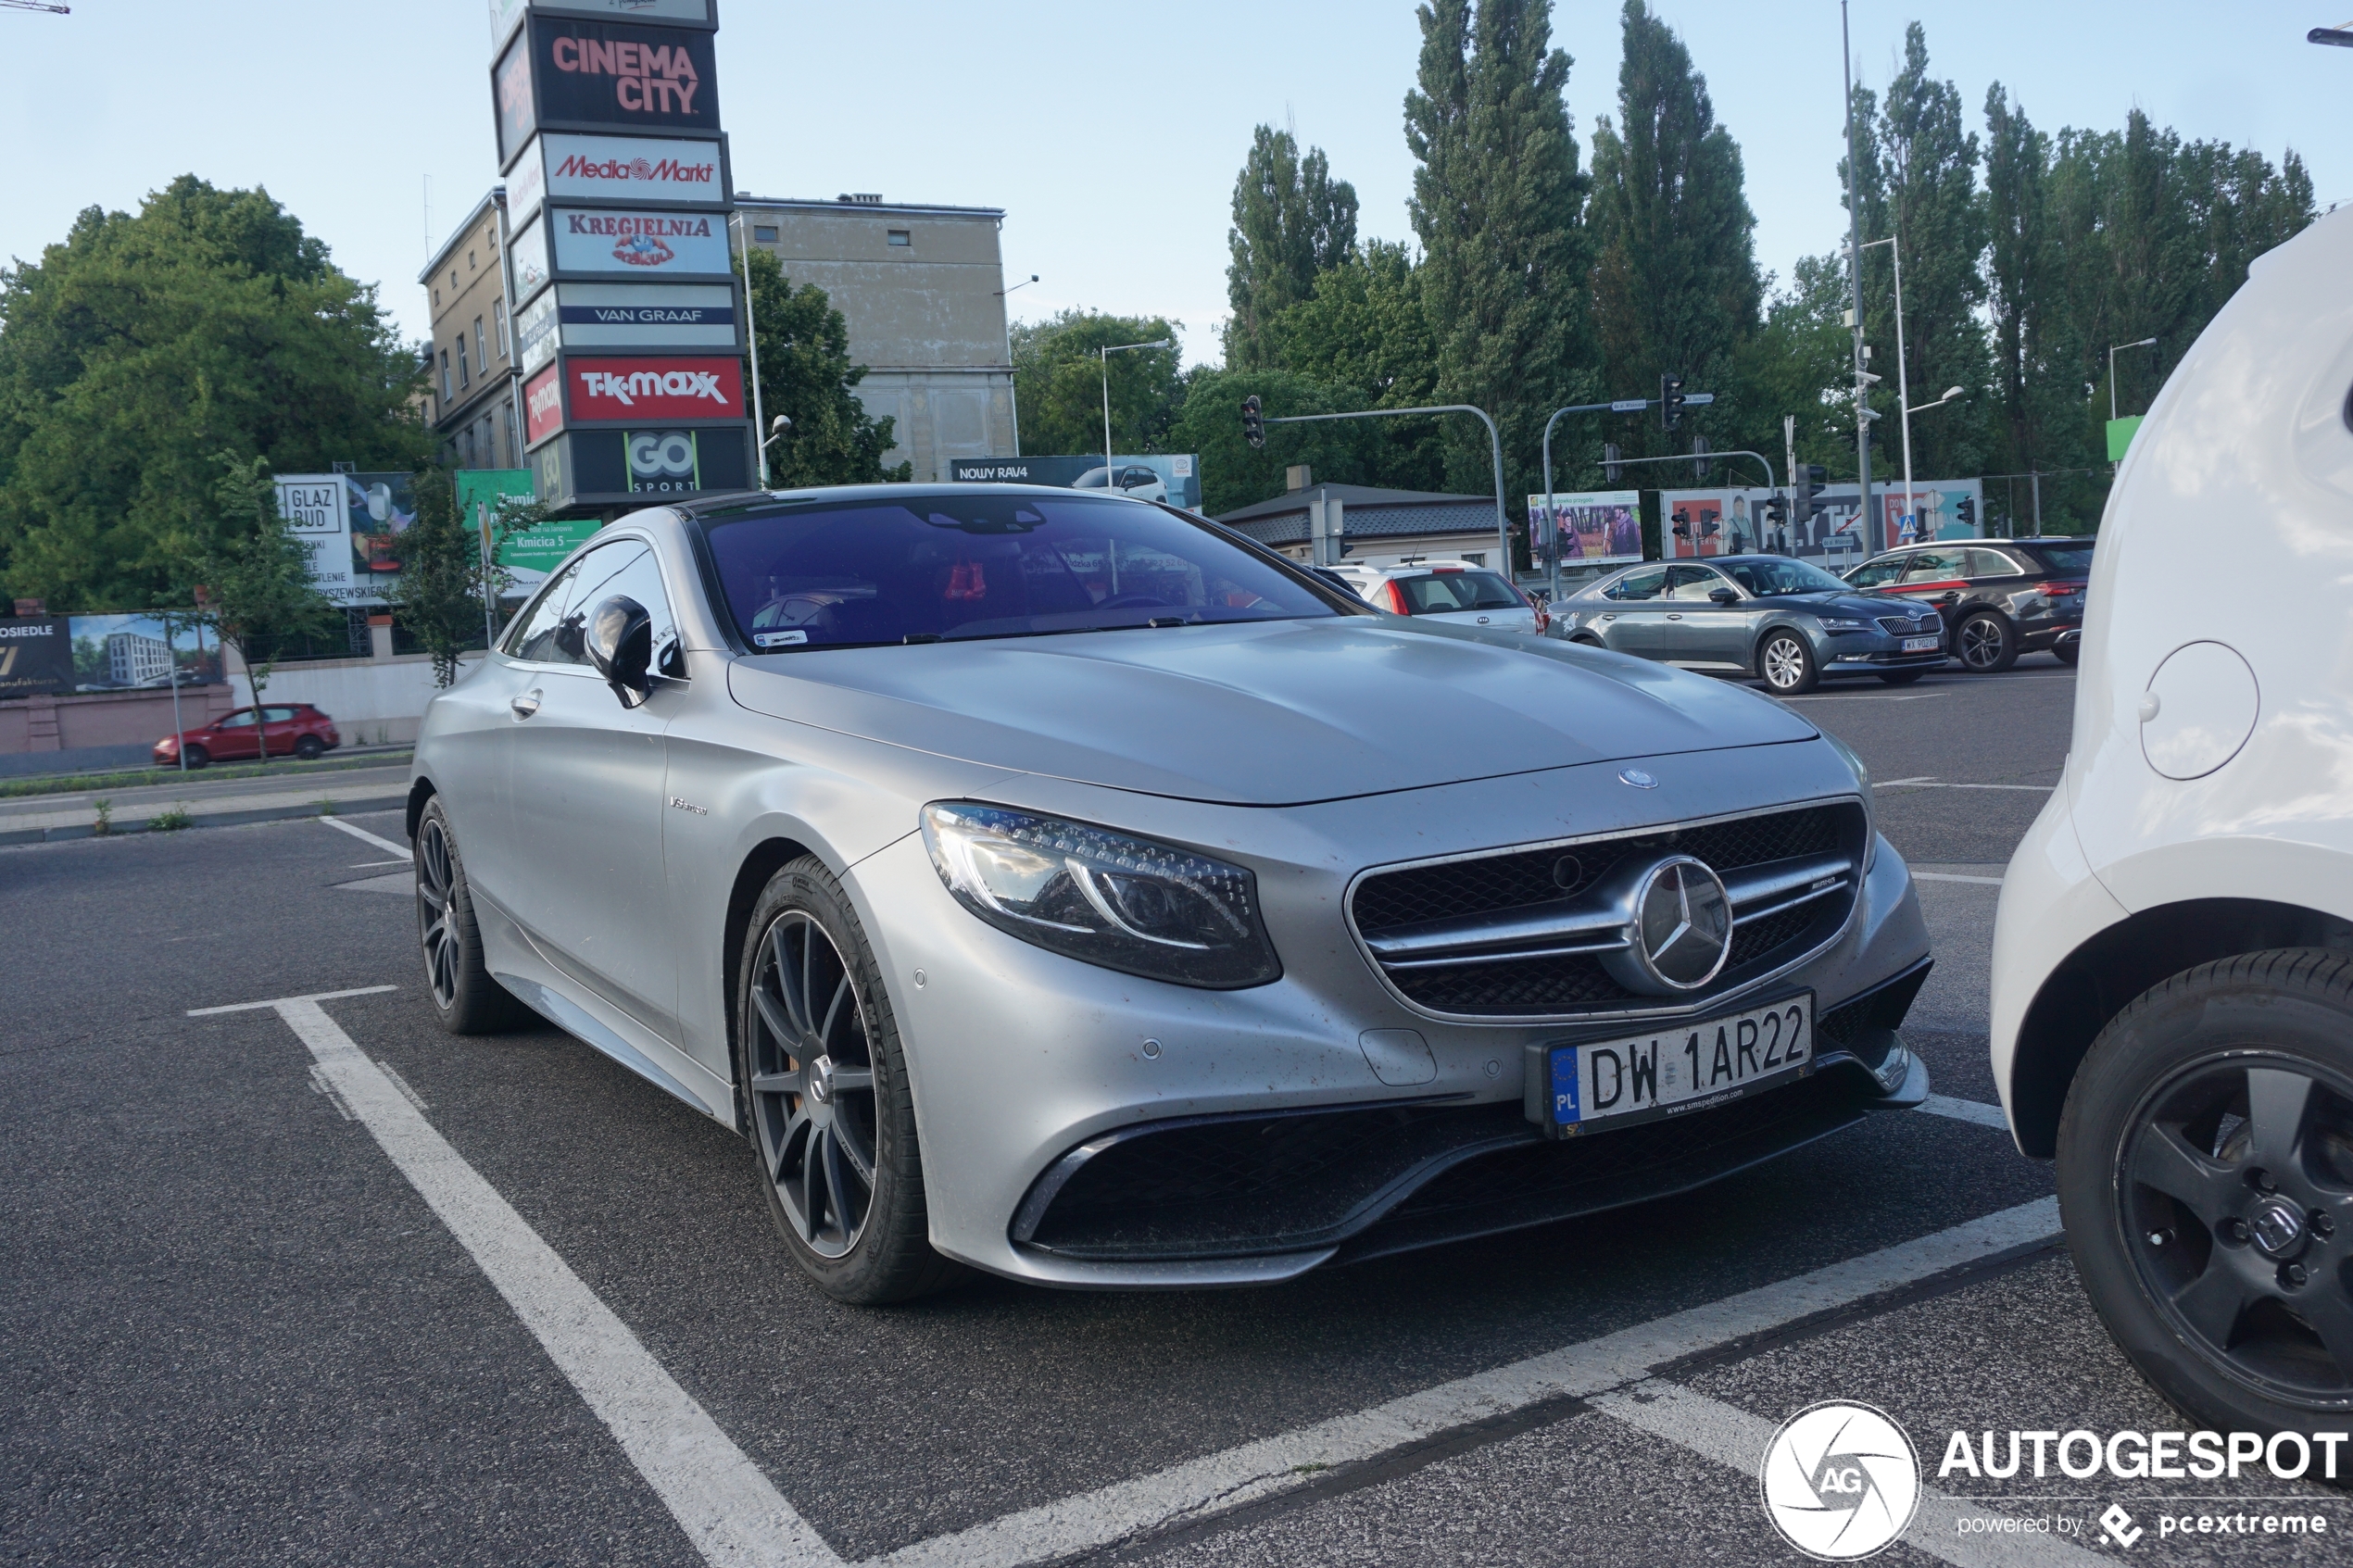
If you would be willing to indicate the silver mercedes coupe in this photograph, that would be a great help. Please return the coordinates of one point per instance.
(1061, 886)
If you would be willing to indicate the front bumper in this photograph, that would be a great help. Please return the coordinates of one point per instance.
(1849, 653)
(1019, 1057)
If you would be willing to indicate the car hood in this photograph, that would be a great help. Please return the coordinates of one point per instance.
(1279, 713)
(1857, 606)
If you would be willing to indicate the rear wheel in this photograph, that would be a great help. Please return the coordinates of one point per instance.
(2205, 1179)
(466, 1000)
(310, 748)
(833, 1119)
(1787, 664)
(196, 756)
(1987, 641)
(2067, 653)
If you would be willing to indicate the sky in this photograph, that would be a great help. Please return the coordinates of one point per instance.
(1110, 133)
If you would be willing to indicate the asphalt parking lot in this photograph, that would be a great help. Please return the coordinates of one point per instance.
(318, 1284)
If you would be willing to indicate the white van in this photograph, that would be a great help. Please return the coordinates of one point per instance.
(2173, 1006)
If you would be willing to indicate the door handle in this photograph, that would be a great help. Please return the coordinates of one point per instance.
(1676, 616)
(523, 706)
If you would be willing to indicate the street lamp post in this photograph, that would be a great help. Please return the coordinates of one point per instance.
(1012, 389)
(1107, 352)
(2145, 343)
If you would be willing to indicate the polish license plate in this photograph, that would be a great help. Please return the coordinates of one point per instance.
(1679, 1068)
(1922, 645)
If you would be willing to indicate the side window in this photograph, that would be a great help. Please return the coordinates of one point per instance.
(1647, 583)
(1884, 570)
(1691, 584)
(533, 637)
(1992, 563)
(1934, 566)
(277, 715)
(626, 567)
(240, 719)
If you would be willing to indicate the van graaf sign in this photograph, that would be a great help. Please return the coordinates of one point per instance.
(625, 316)
(654, 169)
(646, 245)
(316, 508)
(636, 390)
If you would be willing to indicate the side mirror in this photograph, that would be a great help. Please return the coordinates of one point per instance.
(1723, 596)
(621, 645)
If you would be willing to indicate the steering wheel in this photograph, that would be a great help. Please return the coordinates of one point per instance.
(1133, 601)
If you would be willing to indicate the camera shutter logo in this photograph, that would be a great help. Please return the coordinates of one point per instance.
(1840, 1481)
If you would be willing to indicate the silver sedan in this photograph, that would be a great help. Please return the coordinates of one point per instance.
(1060, 886)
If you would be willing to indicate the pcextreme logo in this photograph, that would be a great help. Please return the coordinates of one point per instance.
(1840, 1481)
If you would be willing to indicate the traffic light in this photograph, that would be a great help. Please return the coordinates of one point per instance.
(1682, 520)
(1967, 511)
(1254, 422)
(1777, 510)
(1809, 485)
(1670, 401)
(1611, 473)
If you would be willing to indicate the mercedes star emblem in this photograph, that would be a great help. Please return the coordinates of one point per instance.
(1636, 777)
(1678, 933)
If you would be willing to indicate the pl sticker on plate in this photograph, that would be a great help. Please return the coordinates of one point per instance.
(778, 639)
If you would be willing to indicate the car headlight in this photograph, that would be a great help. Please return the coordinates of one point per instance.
(1103, 897)
(1831, 624)
(1862, 783)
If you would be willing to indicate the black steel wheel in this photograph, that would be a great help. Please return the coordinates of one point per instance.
(466, 1000)
(1787, 664)
(832, 1117)
(2205, 1176)
(1986, 643)
(196, 755)
(309, 748)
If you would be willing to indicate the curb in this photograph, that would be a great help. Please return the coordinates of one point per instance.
(200, 819)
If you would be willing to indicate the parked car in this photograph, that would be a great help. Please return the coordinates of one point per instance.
(1457, 591)
(1198, 934)
(2001, 598)
(1772, 618)
(2172, 970)
(1136, 481)
(288, 730)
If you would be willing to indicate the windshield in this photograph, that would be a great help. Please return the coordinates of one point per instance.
(1764, 577)
(948, 567)
(1444, 593)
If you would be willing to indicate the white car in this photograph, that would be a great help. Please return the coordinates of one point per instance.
(2172, 995)
(1134, 480)
(1457, 591)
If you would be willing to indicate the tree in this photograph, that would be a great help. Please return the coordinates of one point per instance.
(254, 574)
(1675, 280)
(805, 375)
(1292, 221)
(1364, 335)
(142, 345)
(1497, 205)
(1058, 376)
(448, 588)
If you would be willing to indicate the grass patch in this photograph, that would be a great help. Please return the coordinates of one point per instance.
(170, 820)
(105, 825)
(77, 784)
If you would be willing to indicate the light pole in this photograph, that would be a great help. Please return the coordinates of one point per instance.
(1863, 378)
(2145, 343)
(1012, 391)
(1107, 352)
(751, 337)
(1903, 383)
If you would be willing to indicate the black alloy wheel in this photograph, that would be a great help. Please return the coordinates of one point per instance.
(1987, 641)
(195, 757)
(310, 748)
(832, 1117)
(1787, 664)
(466, 1000)
(2205, 1177)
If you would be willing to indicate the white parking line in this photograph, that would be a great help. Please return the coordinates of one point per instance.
(1734, 1439)
(366, 837)
(1867, 697)
(1932, 784)
(723, 1501)
(1274, 1465)
(1949, 876)
(1975, 1110)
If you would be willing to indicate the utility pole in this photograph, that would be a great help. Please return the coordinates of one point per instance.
(1854, 254)
(1789, 467)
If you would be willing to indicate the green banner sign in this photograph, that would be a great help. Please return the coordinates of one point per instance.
(2120, 435)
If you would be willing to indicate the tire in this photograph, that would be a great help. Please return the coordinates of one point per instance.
(1786, 664)
(1902, 677)
(1985, 642)
(309, 748)
(2068, 653)
(196, 757)
(465, 999)
(824, 1079)
(2231, 1297)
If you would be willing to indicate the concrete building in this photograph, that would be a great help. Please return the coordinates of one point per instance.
(474, 402)
(922, 290)
(1381, 527)
(134, 658)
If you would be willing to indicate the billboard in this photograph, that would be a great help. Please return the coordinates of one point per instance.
(319, 507)
(628, 168)
(583, 466)
(530, 554)
(543, 406)
(142, 651)
(631, 242)
(37, 656)
(1595, 527)
(625, 316)
(634, 391)
(583, 73)
(1178, 474)
(505, 14)
(528, 256)
(1840, 537)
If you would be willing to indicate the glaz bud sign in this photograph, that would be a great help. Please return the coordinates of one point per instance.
(642, 244)
(635, 390)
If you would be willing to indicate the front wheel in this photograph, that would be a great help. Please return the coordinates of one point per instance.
(1987, 643)
(195, 757)
(1787, 664)
(833, 1119)
(2206, 1180)
(466, 1000)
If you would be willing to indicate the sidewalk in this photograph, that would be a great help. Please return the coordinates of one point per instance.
(48, 819)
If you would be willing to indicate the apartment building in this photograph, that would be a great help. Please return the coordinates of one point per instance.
(473, 400)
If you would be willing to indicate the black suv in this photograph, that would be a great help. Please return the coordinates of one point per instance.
(2000, 597)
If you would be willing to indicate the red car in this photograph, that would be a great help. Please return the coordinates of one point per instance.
(298, 731)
